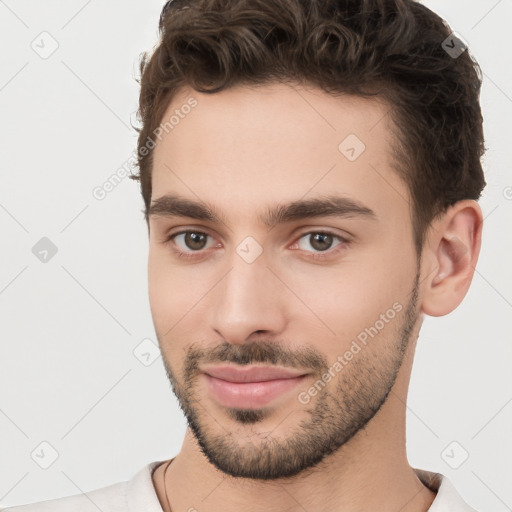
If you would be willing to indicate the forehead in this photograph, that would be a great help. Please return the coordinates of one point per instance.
(246, 146)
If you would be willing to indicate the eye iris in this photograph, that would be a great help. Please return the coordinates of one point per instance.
(325, 241)
(192, 239)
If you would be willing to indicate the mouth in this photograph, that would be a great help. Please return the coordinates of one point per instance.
(250, 387)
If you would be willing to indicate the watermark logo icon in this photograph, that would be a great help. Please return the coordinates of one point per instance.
(45, 45)
(454, 45)
(351, 147)
(455, 455)
(44, 250)
(44, 455)
(146, 352)
(249, 249)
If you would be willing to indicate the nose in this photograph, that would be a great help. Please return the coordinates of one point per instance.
(249, 299)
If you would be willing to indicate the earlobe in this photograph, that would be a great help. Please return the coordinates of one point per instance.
(452, 251)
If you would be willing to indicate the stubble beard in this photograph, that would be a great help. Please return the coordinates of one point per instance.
(339, 411)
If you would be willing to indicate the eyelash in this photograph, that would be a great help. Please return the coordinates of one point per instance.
(316, 256)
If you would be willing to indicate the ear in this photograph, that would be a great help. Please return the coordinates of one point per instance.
(449, 257)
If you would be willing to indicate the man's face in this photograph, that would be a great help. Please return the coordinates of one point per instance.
(331, 298)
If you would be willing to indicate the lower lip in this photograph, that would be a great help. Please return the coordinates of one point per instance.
(249, 395)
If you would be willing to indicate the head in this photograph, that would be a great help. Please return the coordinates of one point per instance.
(309, 171)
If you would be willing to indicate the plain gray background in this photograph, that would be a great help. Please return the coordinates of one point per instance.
(74, 386)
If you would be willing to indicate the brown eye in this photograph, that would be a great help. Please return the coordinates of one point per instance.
(190, 241)
(195, 241)
(318, 240)
(321, 241)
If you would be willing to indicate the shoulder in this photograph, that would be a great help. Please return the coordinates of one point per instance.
(108, 499)
(135, 494)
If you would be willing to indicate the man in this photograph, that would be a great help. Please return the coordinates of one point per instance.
(310, 171)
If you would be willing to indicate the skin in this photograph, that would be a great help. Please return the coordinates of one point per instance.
(243, 151)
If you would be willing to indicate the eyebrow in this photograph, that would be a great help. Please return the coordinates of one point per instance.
(172, 205)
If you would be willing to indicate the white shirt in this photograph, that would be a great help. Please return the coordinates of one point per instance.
(139, 495)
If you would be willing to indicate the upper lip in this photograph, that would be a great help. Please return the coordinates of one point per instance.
(251, 373)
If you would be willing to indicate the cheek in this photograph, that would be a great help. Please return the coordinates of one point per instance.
(359, 298)
(164, 292)
(166, 298)
(174, 293)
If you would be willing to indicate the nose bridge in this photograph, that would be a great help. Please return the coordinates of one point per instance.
(247, 298)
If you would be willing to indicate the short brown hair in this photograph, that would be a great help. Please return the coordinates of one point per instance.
(389, 48)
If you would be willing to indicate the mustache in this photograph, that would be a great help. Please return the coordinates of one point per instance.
(272, 353)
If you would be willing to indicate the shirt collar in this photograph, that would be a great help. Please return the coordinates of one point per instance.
(447, 497)
(141, 493)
